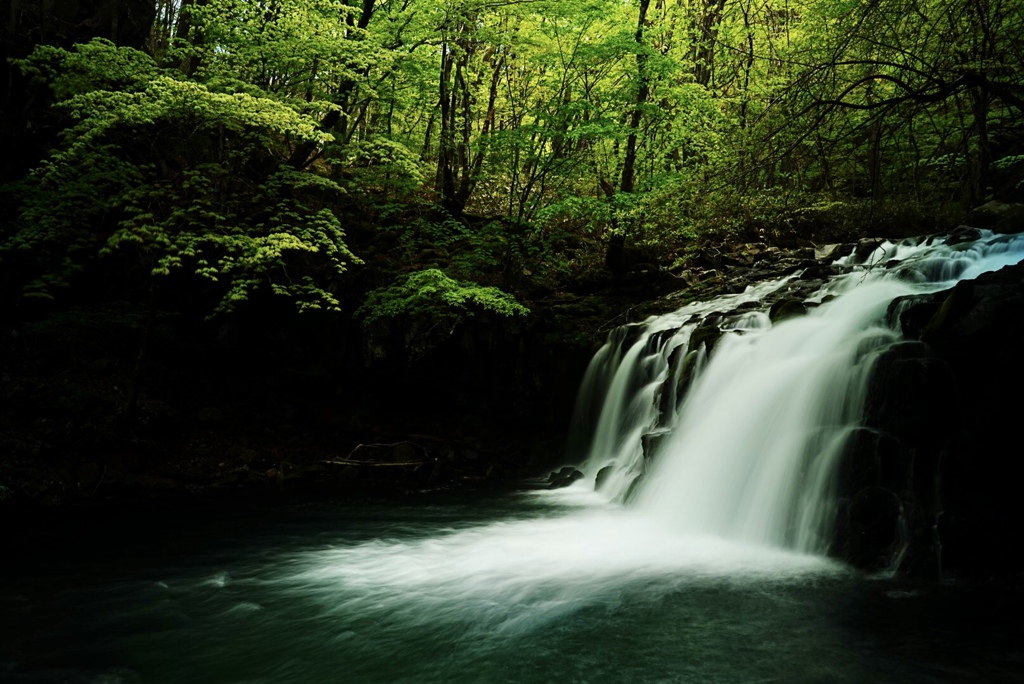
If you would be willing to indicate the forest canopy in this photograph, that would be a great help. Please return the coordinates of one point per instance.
(240, 147)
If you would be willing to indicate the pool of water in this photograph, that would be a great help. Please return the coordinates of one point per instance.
(527, 587)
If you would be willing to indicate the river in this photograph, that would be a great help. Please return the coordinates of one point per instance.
(518, 587)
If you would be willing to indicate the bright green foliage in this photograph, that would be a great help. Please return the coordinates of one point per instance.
(494, 134)
(433, 294)
(184, 176)
(94, 66)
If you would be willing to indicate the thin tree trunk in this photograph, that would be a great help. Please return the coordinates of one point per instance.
(131, 404)
(615, 257)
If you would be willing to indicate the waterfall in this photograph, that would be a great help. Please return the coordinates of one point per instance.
(716, 421)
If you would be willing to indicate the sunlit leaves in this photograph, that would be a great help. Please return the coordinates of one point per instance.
(432, 292)
(186, 178)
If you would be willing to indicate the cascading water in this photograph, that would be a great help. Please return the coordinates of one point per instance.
(743, 444)
(695, 581)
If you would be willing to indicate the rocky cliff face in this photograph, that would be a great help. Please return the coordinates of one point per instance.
(926, 483)
(930, 483)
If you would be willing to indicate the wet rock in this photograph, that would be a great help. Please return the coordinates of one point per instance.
(676, 384)
(872, 458)
(869, 528)
(785, 308)
(949, 405)
(564, 477)
(819, 272)
(963, 234)
(706, 335)
(792, 264)
(866, 246)
(956, 304)
(911, 396)
(687, 373)
(652, 442)
(911, 313)
(89, 475)
(633, 491)
(602, 477)
(237, 452)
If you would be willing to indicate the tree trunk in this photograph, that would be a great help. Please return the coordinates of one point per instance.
(186, 31)
(704, 44)
(983, 161)
(131, 404)
(445, 181)
(615, 257)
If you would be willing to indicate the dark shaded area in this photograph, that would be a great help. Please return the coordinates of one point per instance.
(931, 482)
(27, 125)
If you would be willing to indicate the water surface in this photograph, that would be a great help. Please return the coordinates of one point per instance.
(541, 587)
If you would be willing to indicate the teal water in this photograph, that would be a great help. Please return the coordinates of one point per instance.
(551, 587)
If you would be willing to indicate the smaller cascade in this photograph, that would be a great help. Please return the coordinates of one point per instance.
(626, 400)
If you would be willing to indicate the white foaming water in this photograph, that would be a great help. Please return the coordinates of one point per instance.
(516, 575)
(740, 491)
(753, 443)
(756, 436)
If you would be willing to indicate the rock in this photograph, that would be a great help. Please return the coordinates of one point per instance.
(872, 458)
(819, 272)
(944, 409)
(687, 372)
(237, 452)
(963, 234)
(707, 335)
(791, 265)
(676, 383)
(866, 246)
(1001, 217)
(652, 442)
(89, 475)
(564, 477)
(831, 252)
(869, 528)
(912, 396)
(405, 452)
(911, 313)
(633, 491)
(602, 476)
(786, 307)
(958, 302)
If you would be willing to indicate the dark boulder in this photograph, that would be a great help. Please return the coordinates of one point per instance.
(872, 458)
(912, 396)
(963, 234)
(564, 477)
(1001, 217)
(866, 246)
(785, 308)
(707, 335)
(652, 442)
(941, 412)
(602, 476)
(868, 531)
